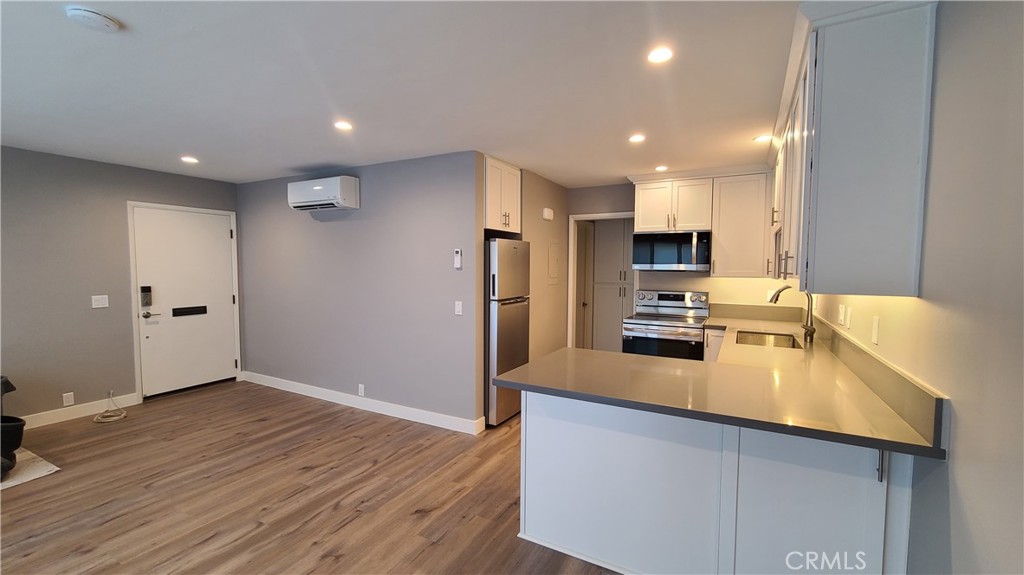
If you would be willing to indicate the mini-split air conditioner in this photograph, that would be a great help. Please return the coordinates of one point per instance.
(337, 193)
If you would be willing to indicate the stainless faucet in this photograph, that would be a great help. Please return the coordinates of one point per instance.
(809, 328)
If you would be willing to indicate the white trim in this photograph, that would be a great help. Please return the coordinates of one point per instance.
(472, 427)
(572, 553)
(570, 340)
(135, 296)
(76, 411)
(704, 173)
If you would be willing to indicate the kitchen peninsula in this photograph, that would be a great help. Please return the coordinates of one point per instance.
(761, 462)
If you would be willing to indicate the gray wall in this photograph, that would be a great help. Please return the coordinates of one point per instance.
(968, 515)
(367, 296)
(601, 199)
(65, 239)
(549, 248)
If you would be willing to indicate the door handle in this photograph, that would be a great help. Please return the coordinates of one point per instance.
(147, 315)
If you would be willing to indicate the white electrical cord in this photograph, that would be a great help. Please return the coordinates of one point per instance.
(111, 415)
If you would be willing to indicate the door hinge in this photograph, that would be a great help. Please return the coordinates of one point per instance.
(231, 233)
(233, 298)
(236, 364)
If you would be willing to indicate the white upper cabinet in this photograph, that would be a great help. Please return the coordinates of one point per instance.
(692, 205)
(502, 196)
(673, 205)
(870, 113)
(739, 235)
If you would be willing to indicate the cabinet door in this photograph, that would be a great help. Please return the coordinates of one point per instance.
(608, 316)
(713, 339)
(511, 197)
(740, 232)
(653, 207)
(798, 496)
(494, 217)
(609, 251)
(794, 217)
(692, 205)
(870, 154)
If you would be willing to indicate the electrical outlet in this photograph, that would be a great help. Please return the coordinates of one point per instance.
(842, 314)
(362, 390)
(849, 317)
(874, 330)
(69, 399)
(99, 301)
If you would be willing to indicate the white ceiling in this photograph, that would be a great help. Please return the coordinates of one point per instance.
(252, 88)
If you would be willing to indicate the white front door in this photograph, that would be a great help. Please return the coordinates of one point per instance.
(186, 298)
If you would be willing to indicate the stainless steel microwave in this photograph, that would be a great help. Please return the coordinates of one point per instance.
(686, 251)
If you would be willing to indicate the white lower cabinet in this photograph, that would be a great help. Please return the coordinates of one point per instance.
(642, 492)
(713, 339)
(805, 505)
(633, 491)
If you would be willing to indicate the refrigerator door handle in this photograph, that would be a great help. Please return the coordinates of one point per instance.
(493, 287)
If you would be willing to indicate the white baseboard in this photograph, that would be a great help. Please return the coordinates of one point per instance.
(571, 553)
(470, 426)
(76, 411)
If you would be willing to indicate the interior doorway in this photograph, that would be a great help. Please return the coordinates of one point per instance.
(601, 279)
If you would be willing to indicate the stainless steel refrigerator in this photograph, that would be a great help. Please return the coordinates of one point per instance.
(508, 323)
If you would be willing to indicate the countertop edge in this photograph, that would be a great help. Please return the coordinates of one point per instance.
(794, 430)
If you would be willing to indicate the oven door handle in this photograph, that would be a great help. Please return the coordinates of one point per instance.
(654, 333)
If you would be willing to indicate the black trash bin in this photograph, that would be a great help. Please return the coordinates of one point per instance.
(12, 430)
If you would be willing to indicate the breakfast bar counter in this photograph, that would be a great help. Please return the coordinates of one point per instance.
(771, 463)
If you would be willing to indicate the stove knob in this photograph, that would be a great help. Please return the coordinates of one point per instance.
(693, 297)
(703, 298)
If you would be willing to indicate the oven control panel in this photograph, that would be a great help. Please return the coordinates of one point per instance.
(676, 299)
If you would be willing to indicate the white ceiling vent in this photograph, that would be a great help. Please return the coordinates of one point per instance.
(91, 19)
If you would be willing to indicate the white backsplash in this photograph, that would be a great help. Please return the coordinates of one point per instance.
(746, 291)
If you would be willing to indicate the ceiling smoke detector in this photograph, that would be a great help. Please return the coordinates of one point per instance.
(91, 19)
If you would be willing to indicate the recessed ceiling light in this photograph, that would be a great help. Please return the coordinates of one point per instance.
(318, 187)
(91, 19)
(763, 139)
(659, 55)
(661, 168)
(343, 125)
(189, 160)
(637, 138)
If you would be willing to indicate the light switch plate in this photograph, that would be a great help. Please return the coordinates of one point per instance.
(458, 307)
(849, 317)
(842, 314)
(100, 301)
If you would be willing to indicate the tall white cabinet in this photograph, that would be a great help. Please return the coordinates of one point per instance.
(613, 281)
(854, 156)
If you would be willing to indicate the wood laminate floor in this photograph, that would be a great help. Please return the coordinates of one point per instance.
(241, 478)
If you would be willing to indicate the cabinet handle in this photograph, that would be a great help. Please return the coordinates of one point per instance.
(785, 268)
(668, 223)
(707, 343)
(774, 221)
(768, 267)
(673, 221)
(712, 267)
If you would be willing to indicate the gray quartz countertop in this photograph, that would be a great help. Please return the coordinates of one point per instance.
(803, 392)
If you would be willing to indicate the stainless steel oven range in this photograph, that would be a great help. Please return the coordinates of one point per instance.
(667, 324)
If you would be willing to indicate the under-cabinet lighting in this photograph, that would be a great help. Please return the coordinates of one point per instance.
(189, 160)
(661, 168)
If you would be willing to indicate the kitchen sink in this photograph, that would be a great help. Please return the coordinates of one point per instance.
(767, 339)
